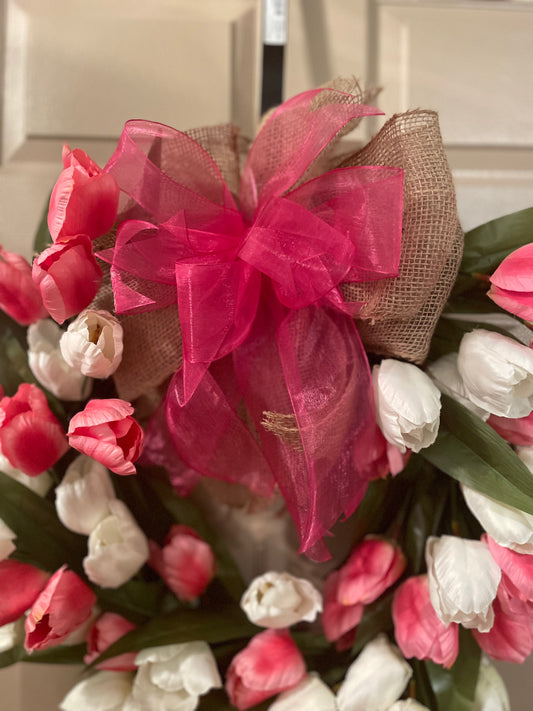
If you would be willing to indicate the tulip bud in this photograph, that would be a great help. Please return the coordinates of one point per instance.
(508, 526)
(376, 679)
(418, 631)
(447, 378)
(278, 600)
(21, 584)
(106, 431)
(7, 536)
(104, 632)
(19, 297)
(68, 277)
(186, 562)
(117, 548)
(310, 693)
(491, 694)
(64, 605)
(269, 664)
(174, 676)
(49, 366)
(82, 498)
(104, 691)
(407, 405)
(511, 283)
(40, 484)
(84, 198)
(31, 437)
(497, 373)
(93, 344)
(408, 705)
(456, 594)
(515, 430)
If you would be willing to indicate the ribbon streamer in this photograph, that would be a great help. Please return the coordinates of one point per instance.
(264, 325)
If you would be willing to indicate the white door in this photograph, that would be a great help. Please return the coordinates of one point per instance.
(75, 70)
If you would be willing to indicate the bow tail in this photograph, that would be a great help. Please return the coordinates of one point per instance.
(208, 434)
(310, 394)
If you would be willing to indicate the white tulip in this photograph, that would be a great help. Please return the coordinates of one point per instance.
(407, 405)
(508, 526)
(93, 344)
(311, 693)
(279, 600)
(376, 679)
(104, 691)
(7, 536)
(497, 373)
(48, 365)
(173, 677)
(463, 579)
(491, 694)
(408, 705)
(83, 496)
(447, 378)
(526, 455)
(117, 548)
(40, 484)
(11, 634)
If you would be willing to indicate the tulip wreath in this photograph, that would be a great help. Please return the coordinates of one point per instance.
(208, 374)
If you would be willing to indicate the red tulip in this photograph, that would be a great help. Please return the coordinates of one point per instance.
(419, 632)
(84, 199)
(63, 606)
(19, 297)
(105, 631)
(105, 431)
(21, 584)
(68, 276)
(270, 664)
(186, 562)
(31, 438)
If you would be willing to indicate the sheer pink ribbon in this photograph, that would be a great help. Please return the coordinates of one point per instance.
(263, 322)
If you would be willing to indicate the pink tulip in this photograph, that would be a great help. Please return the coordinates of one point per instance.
(67, 276)
(105, 431)
(21, 584)
(512, 283)
(186, 562)
(105, 631)
(511, 637)
(63, 606)
(419, 632)
(517, 430)
(518, 567)
(84, 199)
(31, 438)
(339, 620)
(19, 297)
(269, 664)
(373, 566)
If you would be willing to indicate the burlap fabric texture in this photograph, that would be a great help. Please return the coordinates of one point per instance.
(400, 314)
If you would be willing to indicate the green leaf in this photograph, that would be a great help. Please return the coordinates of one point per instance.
(469, 450)
(41, 539)
(211, 625)
(455, 688)
(218, 701)
(137, 600)
(422, 685)
(487, 245)
(57, 655)
(184, 511)
(377, 618)
(42, 238)
(139, 495)
(428, 502)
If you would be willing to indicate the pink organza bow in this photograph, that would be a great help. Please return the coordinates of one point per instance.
(265, 328)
